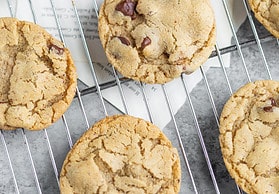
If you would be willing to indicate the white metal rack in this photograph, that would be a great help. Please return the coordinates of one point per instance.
(43, 176)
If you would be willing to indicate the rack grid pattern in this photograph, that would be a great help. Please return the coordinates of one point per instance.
(27, 141)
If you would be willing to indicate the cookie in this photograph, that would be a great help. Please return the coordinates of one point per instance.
(37, 73)
(267, 13)
(121, 154)
(249, 136)
(155, 41)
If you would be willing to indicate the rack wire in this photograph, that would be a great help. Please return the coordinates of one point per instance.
(30, 161)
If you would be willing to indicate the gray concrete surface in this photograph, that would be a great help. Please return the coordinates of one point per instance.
(37, 141)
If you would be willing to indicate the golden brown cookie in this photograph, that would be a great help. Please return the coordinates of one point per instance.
(267, 12)
(155, 41)
(121, 154)
(249, 137)
(38, 76)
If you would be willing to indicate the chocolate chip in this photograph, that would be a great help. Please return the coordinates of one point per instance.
(124, 40)
(268, 109)
(127, 7)
(146, 41)
(273, 102)
(57, 50)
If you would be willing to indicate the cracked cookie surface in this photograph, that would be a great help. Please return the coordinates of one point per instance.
(267, 12)
(249, 136)
(155, 41)
(121, 154)
(38, 76)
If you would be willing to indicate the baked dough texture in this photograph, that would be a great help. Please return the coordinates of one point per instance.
(121, 154)
(155, 41)
(37, 76)
(267, 12)
(249, 137)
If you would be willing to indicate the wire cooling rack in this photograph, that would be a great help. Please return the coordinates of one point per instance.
(31, 161)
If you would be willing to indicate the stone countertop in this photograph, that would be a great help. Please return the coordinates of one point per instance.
(18, 140)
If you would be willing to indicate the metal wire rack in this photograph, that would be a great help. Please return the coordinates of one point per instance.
(31, 161)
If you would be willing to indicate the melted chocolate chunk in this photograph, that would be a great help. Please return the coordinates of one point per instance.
(273, 102)
(57, 50)
(146, 41)
(124, 40)
(268, 109)
(127, 7)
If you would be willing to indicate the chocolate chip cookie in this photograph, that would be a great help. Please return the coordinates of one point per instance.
(249, 136)
(155, 41)
(267, 12)
(121, 154)
(37, 73)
